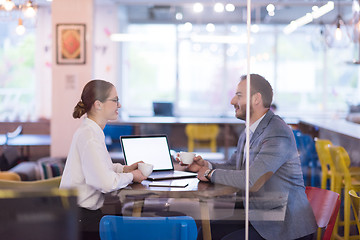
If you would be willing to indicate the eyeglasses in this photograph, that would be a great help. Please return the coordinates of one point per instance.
(115, 100)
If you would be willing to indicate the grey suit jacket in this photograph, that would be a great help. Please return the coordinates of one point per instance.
(272, 149)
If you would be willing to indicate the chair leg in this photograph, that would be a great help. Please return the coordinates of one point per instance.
(324, 178)
(346, 214)
(336, 185)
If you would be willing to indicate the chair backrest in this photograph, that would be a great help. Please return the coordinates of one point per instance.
(119, 227)
(341, 161)
(307, 150)
(113, 132)
(11, 176)
(39, 184)
(324, 156)
(202, 132)
(325, 205)
(322, 149)
(355, 203)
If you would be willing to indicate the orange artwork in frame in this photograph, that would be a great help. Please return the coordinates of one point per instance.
(70, 44)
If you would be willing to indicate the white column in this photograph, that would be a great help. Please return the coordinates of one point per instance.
(68, 80)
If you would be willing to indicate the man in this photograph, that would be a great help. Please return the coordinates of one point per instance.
(275, 169)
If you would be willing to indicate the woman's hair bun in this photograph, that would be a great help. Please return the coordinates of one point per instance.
(79, 110)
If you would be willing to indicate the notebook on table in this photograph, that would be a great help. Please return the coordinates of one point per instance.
(153, 149)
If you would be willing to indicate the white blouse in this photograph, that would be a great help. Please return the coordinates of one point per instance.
(89, 168)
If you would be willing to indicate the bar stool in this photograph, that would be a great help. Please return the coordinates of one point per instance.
(345, 181)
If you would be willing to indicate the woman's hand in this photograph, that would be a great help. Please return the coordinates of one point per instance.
(131, 168)
(138, 176)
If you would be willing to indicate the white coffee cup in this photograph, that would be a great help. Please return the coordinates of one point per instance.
(145, 168)
(187, 157)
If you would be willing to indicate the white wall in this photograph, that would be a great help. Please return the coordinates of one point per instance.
(106, 53)
(68, 80)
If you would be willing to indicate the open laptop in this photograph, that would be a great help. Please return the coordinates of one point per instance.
(153, 149)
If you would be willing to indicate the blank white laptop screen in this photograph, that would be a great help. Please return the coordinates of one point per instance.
(149, 149)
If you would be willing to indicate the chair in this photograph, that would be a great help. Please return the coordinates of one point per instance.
(119, 227)
(325, 205)
(199, 134)
(112, 134)
(355, 203)
(44, 184)
(12, 176)
(327, 165)
(344, 180)
(308, 156)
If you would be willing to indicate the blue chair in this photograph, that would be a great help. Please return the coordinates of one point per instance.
(308, 157)
(121, 227)
(112, 134)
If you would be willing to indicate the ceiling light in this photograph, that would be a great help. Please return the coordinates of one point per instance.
(323, 10)
(198, 7)
(8, 5)
(271, 14)
(314, 8)
(270, 8)
(219, 7)
(29, 9)
(230, 7)
(336, 34)
(20, 29)
(179, 16)
(309, 17)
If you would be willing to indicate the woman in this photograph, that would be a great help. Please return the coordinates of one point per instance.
(88, 167)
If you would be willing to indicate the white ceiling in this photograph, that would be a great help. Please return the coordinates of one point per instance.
(285, 10)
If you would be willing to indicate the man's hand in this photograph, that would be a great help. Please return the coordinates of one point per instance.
(198, 163)
(131, 168)
(138, 176)
(201, 173)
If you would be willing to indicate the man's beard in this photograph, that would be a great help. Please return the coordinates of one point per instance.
(242, 116)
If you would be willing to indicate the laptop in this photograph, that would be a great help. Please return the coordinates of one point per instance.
(153, 149)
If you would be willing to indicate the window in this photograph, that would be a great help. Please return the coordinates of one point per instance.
(149, 67)
(17, 71)
(308, 78)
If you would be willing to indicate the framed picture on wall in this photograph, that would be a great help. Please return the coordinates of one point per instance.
(70, 44)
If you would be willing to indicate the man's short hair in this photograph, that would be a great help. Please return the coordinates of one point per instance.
(258, 84)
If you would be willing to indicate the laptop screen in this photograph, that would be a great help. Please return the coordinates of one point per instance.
(149, 149)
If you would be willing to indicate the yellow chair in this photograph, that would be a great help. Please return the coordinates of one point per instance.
(343, 180)
(9, 176)
(355, 203)
(45, 184)
(200, 134)
(327, 165)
